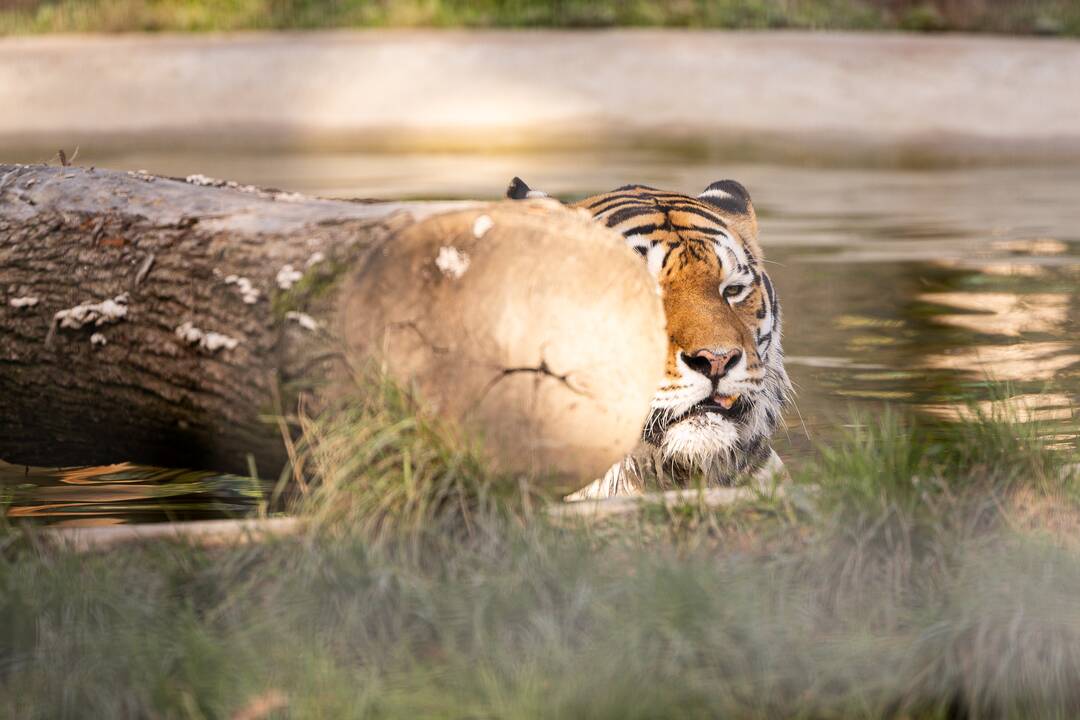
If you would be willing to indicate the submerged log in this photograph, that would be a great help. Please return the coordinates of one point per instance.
(216, 533)
(200, 533)
(174, 322)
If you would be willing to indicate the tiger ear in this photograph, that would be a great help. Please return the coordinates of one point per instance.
(734, 200)
(727, 195)
(518, 190)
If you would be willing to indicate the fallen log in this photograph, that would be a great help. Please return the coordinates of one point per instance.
(137, 318)
(175, 322)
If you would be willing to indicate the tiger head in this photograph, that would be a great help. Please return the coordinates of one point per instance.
(725, 385)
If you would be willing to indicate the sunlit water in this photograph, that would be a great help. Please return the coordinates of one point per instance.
(947, 291)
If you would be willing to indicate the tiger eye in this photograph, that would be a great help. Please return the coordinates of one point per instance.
(733, 290)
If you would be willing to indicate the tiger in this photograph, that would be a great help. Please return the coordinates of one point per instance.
(725, 386)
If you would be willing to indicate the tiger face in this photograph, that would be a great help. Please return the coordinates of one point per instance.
(725, 385)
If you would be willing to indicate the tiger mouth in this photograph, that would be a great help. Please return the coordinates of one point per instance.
(733, 408)
(729, 407)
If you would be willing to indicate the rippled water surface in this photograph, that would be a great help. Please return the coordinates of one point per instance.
(944, 290)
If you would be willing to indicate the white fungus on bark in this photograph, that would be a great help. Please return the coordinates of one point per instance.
(289, 197)
(452, 262)
(248, 292)
(481, 225)
(203, 180)
(98, 314)
(209, 341)
(141, 175)
(22, 302)
(98, 339)
(288, 276)
(303, 319)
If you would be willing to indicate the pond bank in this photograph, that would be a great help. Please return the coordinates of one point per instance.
(790, 96)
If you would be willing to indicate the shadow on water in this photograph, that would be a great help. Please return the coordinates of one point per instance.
(933, 289)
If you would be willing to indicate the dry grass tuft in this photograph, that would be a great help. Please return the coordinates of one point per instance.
(386, 469)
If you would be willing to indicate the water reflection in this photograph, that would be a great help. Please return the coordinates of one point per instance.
(922, 288)
(124, 493)
(998, 313)
(1018, 362)
(1024, 408)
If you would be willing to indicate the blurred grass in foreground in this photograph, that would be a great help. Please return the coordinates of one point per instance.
(905, 574)
(1001, 16)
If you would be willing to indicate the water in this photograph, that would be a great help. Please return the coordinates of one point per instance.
(125, 493)
(942, 290)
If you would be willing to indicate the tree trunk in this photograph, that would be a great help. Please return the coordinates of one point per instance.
(161, 321)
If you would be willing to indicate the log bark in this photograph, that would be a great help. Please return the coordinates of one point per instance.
(160, 321)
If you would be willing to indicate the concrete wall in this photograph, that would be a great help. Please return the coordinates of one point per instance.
(786, 92)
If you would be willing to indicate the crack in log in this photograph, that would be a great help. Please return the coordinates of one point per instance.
(541, 371)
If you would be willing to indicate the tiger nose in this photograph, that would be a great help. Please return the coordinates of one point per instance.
(710, 364)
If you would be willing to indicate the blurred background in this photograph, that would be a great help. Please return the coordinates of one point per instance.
(1050, 17)
(915, 165)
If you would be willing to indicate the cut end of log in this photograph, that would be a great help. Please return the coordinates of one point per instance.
(534, 328)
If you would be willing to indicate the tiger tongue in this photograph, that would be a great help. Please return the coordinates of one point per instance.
(725, 401)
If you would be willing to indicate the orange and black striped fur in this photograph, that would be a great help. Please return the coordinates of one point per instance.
(725, 386)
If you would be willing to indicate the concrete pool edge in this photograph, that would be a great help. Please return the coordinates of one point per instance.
(876, 98)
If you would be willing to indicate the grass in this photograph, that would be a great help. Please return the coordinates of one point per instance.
(431, 588)
(387, 470)
(1002, 16)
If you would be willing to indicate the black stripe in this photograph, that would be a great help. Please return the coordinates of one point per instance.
(667, 254)
(613, 196)
(701, 212)
(619, 204)
(642, 193)
(768, 288)
(620, 216)
(647, 229)
(703, 229)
